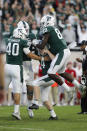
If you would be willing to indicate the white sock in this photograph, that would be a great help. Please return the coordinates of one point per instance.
(24, 98)
(76, 83)
(52, 113)
(30, 103)
(16, 108)
(36, 102)
(64, 85)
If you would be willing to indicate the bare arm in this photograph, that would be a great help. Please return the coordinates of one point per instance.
(44, 41)
(33, 56)
(50, 54)
(79, 60)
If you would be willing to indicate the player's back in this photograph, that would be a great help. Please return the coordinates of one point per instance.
(55, 41)
(14, 50)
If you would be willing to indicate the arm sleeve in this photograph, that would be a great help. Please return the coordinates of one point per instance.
(26, 50)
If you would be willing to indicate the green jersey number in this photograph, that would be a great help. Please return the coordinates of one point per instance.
(58, 33)
(13, 49)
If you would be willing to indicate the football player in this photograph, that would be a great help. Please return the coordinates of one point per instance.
(27, 66)
(45, 87)
(15, 47)
(52, 38)
(1, 78)
(2, 93)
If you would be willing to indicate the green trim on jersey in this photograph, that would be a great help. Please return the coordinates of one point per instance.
(21, 73)
(14, 51)
(60, 57)
(30, 37)
(47, 79)
(55, 41)
(46, 67)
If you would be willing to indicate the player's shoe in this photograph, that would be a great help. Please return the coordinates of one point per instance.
(30, 113)
(16, 115)
(53, 118)
(85, 112)
(34, 106)
(79, 113)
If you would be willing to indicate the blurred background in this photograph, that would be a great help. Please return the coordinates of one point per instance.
(71, 19)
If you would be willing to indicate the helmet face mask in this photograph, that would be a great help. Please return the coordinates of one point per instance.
(47, 20)
(20, 33)
(23, 24)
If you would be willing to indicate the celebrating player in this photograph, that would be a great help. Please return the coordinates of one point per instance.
(52, 38)
(16, 46)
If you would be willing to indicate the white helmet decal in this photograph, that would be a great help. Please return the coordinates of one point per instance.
(20, 33)
(47, 20)
(23, 24)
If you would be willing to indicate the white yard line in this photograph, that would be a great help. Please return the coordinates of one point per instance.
(29, 129)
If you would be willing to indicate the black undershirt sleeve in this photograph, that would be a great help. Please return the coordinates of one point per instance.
(44, 41)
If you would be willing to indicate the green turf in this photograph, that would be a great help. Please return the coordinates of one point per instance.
(68, 120)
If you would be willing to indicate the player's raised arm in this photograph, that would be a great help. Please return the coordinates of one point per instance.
(46, 21)
(44, 41)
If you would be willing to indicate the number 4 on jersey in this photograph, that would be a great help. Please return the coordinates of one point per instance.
(13, 49)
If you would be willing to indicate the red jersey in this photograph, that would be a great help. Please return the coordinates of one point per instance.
(73, 73)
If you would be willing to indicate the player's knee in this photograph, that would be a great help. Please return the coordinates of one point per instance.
(30, 93)
(33, 83)
(50, 71)
(44, 98)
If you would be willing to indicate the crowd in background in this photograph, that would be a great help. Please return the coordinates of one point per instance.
(71, 18)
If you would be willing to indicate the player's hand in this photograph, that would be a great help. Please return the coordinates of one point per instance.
(83, 47)
(35, 42)
(2, 96)
(41, 52)
(78, 59)
(45, 51)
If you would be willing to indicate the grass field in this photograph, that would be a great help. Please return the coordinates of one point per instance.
(68, 120)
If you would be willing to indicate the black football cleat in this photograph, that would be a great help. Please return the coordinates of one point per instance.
(79, 113)
(85, 113)
(53, 118)
(34, 106)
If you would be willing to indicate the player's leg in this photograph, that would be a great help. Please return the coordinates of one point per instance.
(70, 78)
(24, 94)
(7, 80)
(58, 65)
(29, 77)
(17, 78)
(2, 83)
(45, 99)
(42, 81)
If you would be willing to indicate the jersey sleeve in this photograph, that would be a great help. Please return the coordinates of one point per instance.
(24, 43)
(47, 30)
(31, 36)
